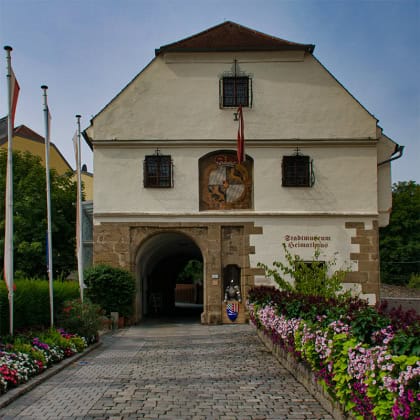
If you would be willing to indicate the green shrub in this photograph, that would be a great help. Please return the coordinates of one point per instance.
(407, 341)
(32, 302)
(367, 321)
(309, 279)
(78, 342)
(111, 288)
(414, 282)
(83, 319)
(52, 337)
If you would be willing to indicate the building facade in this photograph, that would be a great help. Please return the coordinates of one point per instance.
(168, 186)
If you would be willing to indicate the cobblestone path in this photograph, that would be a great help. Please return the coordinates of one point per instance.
(172, 371)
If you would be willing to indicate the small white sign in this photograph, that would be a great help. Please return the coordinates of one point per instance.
(214, 276)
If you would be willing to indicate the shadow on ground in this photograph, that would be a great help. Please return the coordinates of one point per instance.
(182, 313)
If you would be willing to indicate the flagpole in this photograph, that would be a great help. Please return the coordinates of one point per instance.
(8, 236)
(47, 174)
(79, 212)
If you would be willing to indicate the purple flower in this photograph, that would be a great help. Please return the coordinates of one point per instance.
(40, 344)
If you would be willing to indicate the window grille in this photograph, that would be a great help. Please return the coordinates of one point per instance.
(235, 91)
(314, 264)
(158, 171)
(297, 171)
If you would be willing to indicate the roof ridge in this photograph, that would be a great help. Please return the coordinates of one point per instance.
(276, 38)
(230, 36)
(28, 133)
(195, 35)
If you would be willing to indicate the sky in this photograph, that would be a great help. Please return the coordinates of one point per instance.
(86, 51)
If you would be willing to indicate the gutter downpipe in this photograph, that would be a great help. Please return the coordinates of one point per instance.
(398, 149)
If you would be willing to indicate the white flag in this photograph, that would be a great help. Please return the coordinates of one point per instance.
(76, 148)
(8, 234)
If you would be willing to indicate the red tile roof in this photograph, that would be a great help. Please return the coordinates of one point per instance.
(229, 36)
(21, 131)
(27, 133)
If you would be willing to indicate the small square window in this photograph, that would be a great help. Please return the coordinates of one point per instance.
(297, 171)
(235, 91)
(314, 264)
(158, 171)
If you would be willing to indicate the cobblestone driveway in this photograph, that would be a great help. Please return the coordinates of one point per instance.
(172, 371)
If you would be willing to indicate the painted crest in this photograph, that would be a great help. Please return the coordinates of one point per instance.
(232, 310)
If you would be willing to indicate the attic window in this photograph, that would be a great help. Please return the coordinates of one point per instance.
(158, 171)
(297, 171)
(235, 91)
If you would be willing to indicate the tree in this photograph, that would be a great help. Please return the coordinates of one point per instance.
(30, 217)
(399, 242)
(192, 273)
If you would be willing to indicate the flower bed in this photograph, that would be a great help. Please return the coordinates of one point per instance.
(365, 360)
(26, 356)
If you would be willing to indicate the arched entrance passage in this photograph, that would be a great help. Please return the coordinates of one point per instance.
(166, 287)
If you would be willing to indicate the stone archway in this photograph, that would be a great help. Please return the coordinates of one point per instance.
(161, 258)
(142, 247)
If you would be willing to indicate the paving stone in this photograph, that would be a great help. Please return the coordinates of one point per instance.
(172, 371)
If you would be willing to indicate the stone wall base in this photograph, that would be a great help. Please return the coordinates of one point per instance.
(306, 377)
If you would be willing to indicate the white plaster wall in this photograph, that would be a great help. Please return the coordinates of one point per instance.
(345, 181)
(178, 98)
(119, 182)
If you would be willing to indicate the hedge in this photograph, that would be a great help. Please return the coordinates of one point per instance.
(32, 303)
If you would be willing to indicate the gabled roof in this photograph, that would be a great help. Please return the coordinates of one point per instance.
(21, 131)
(229, 36)
(26, 133)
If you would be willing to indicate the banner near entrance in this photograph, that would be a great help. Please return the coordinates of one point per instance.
(232, 310)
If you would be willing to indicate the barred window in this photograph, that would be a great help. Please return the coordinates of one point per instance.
(158, 171)
(235, 91)
(314, 264)
(297, 171)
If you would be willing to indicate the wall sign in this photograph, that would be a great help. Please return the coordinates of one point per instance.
(307, 241)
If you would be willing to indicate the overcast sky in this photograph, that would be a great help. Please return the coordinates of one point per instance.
(86, 51)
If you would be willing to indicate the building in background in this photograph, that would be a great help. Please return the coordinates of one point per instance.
(169, 189)
(27, 140)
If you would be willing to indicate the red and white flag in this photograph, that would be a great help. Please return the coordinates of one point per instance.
(240, 137)
(15, 88)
